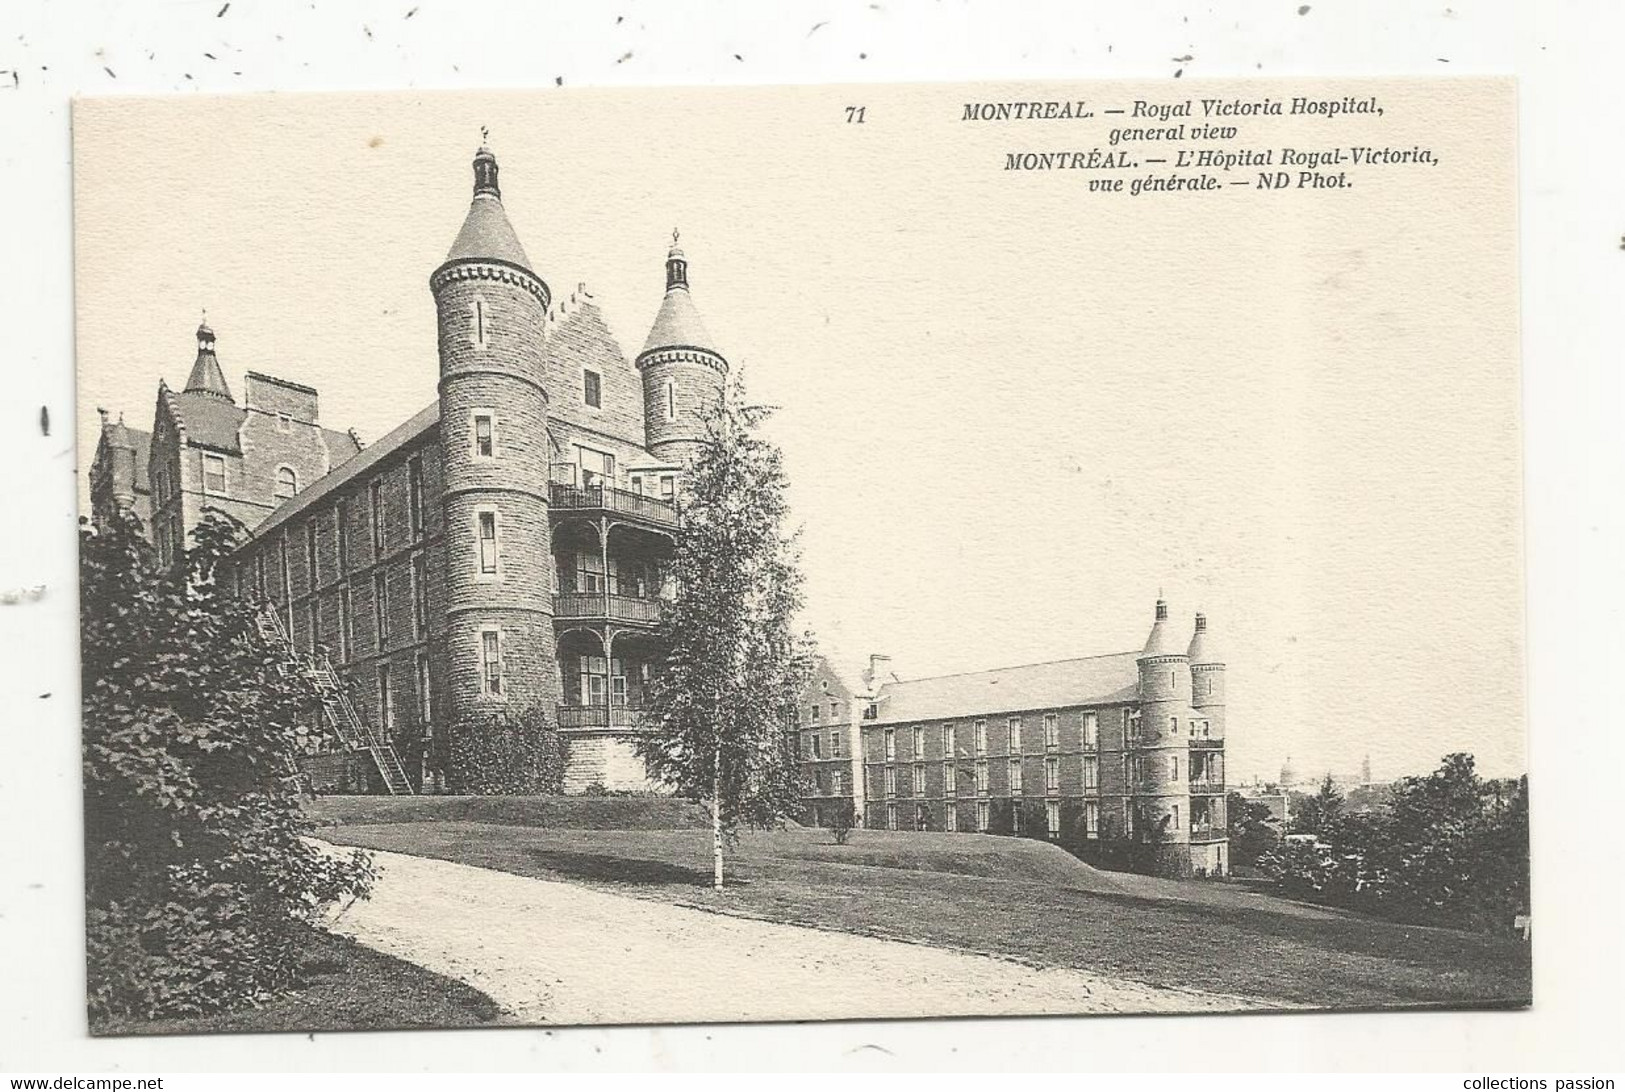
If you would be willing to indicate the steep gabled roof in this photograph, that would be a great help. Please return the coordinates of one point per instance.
(1092, 680)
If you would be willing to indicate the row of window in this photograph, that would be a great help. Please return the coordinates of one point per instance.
(304, 619)
(813, 746)
(1016, 780)
(984, 816)
(1013, 737)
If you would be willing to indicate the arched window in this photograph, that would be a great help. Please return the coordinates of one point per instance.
(287, 482)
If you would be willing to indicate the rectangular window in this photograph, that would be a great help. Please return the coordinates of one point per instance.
(1091, 730)
(982, 815)
(812, 738)
(1091, 773)
(1173, 726)
(919, 741)
(921, 822)
(1052, 817)
(284, 423)
(414, 495)
(1174, 823)
(214, 475)
(948, 787)
(597, 467)
(1015, 817)
(1014, 727)
(592, 391)
(589, 572)
(1052, 731)
(635, 484)
(346, 638)
(668, 488)
(425, 712)
(341, 521)
(919, 781)
(1173, 768)
(891, 780)
(284, 570)
(1015, 776)
(981, 778)
(386, 700)
(834, 711)
(835, 745)
(950, 817)
(671, 401)
(981, 737)
(891, 816)
(488, 543)
(891, 744)
(375, 502)
(420, 597)
(485, 436)
(815, 713)
(948, 748)
(491, 661)
(310, 556)
(312, 619)
(1091, 819)
(380, 609)
(1052, 775)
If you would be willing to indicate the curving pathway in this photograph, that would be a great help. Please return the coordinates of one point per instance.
(558, 953)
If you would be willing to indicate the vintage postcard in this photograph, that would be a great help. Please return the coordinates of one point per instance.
(801, 553)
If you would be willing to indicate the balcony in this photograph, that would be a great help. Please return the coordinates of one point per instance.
(1208, 834)
(599, 716)
(1204, 786)
(611, 501)
(604, 607)
(1202, 743)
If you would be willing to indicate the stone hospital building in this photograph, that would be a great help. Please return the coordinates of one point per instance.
(504, 546)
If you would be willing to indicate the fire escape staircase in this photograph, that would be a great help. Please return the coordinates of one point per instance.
(354, 732)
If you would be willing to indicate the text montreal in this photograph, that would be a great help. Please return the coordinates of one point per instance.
(1095, 159)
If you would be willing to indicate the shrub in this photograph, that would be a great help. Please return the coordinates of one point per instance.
(505, 754)
(198, 880)
(840, 822)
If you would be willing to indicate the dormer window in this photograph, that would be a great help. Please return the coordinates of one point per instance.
(214, 475)
(287, 483)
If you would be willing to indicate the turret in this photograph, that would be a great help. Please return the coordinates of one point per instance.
(1162, 800)
(207, 377)
(682, 371)
(1207, 678)
(492, 312)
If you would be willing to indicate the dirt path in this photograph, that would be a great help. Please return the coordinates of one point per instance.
(557, 953)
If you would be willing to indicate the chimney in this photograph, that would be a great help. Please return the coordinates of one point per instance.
(879, 670)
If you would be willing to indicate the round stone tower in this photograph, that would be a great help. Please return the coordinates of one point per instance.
(121, 447)
(1162, 795)
(1207, 678)
(682, 372)
(492, 311)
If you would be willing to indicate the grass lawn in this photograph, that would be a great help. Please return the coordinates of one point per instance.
(1011, 897)
(348, 988)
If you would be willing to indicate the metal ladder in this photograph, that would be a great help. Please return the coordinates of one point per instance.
(355, 733)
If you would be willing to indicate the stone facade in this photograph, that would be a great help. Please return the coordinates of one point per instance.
(503, 548)
(1112, 757)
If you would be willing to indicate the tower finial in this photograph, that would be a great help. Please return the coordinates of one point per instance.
(676, 265)
(485, 170)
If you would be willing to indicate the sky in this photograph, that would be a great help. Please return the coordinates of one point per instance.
(1012, 410)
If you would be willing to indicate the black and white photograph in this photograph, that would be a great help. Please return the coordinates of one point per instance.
(800, 554)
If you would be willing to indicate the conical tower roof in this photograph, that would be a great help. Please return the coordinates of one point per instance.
(118, 435)
(207, 377)
(1204, 649)
(678, 324)
(1161, 642)
(486, 233)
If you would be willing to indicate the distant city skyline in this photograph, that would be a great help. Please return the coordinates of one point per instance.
(1011, 414)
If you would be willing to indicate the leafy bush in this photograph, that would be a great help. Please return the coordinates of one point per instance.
(503, 754)
(1452, 850)
(841, 821)
(198, 881)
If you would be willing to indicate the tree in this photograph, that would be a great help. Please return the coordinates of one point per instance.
(1250, 831)
(841, 821)
(508, 754)
(1318, 814)
(735, 664)
(198, 878)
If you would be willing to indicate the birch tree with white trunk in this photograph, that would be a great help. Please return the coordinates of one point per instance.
(720, 709)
